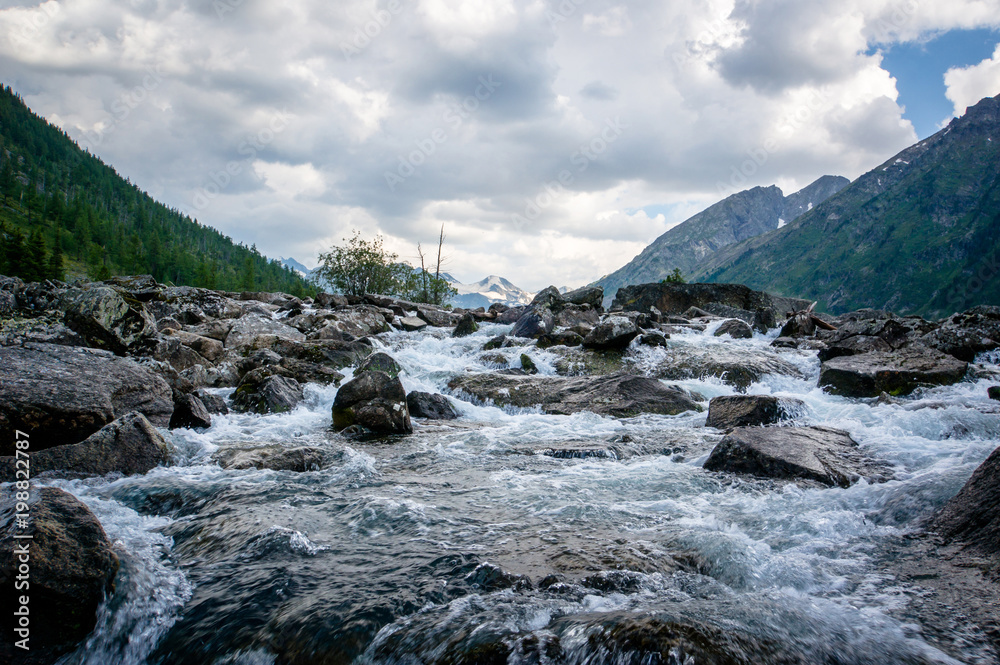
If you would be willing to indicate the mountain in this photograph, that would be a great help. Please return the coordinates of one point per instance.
(487, 291)
(63, 210)
(743, 215)
(919, 234)
(292, 264)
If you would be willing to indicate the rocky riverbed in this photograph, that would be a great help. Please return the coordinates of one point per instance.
(703, 474)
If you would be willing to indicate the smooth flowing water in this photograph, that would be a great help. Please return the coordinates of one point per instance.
(513, 536)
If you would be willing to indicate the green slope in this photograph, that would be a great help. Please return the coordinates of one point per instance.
(58, 199)
(919, 234)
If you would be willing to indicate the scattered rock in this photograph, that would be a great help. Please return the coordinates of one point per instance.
(586, 295)
(73, 568)
(380, 362)
(411, 323)
(248, 328)
(360, 320)
(560, 338)
(206, 347)
(897, 372)
(785, 343)
(614, 332)
(374, 399)
(735, 328)
(528, 365)
(264, 391)
(275, 458)
(105, 319)
(330, 301)
(619, 395)
(966, 334)
(533, 323)
(825, 455)
(190, 412)
(496, 343)
(993, 392)
(673, 299)
(438, 318)
(213, 403)
(750, 410)
(973, 515)
(466, 326)
(430, 406)
(64, 394)
(738, 367)
(653, 339)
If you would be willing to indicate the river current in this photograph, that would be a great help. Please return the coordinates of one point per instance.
(513, 536)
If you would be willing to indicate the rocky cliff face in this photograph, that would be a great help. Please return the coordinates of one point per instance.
(744, 215)
(919, 234)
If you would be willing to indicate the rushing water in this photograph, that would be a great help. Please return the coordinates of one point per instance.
(514, 536)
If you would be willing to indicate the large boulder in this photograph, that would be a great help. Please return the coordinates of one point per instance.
(675, 299)
(72, 568)
(614, 332)
(533, 323)
(206, 347)
(374, 399)
(60, 394)
(191, 305)
(411, 323)
(585, 295)
(190, 411)
(274, 457)
(466, 326)
(106, 319)
(178, 356)
(735, 328)
(731, 411)
(430, 406)
(439, 318)
(973, 515)
(738, 367)
(248, 328)
(821, 454)
(129, 446)
(359, 321)
(264, 391)
(897, 372)
(617, 395)
(966, 334)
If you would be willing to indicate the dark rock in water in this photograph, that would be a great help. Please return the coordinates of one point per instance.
(614, 332)
(619, 395)
(107, 320)
(897, 372)
(993, 392)
(380, 362)
(374, 399)
(825, 455)
(799, 325)
(697, 313)
(264, 391)
(533, 323)
(466, 326)
(573, 316)
(275, 458)
(511, 314)
(561, 338)
(335, 354)
(411, 323)
(62, 394)
(966, 334)
(304, 371)
(495, 343)
(73, 568)
(853, 346)
(750, 410)
(678, 298)
(430, 406)
(547, 298)
(738, 367)
(653, 339)
(735, 328)
(973, 515)
(763, 320)
(213, 403)
(785, 343)
(129, 446)
(190, 412)
(528, 365)
(488, 577)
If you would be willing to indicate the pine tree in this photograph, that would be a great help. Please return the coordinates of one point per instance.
(14, 253)
(36, 259)
(56, 268)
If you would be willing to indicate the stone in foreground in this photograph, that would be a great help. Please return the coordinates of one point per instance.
(749, 410)
(72, 569)
(264, 391)
(821, 454)
(973, 515)
(275, 458)
(896, 372)
(374, 399)
(618, 395)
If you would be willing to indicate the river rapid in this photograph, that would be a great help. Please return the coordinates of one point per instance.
(511, 536)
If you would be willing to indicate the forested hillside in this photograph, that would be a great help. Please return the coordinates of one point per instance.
(64, 210)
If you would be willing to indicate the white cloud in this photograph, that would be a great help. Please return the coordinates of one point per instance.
(967, 85)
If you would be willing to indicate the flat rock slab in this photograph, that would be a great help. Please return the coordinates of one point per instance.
(736, 366)
(617, 395)
(973, 515)
(821, 454)
(61, 394)
(274, 457)
(895, 372)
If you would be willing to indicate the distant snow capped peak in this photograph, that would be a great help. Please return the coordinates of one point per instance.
(489, 290)
(295, 265)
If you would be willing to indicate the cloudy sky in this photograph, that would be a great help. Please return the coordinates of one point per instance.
(553, 139)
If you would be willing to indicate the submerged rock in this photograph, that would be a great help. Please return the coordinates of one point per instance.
(430, 406)
(825, 455)
(619, 395)
(73, 568)
(60, 394)
(750, 410)
(897, 372)
(275, 458)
